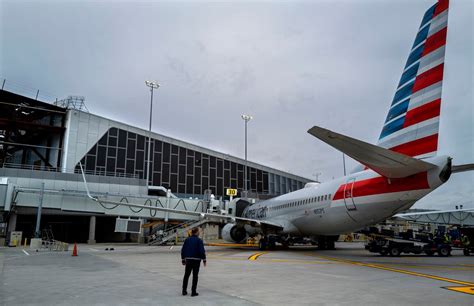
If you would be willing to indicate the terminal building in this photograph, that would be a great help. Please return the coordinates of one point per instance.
(46, 143)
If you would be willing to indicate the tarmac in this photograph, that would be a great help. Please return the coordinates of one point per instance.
(151, 275)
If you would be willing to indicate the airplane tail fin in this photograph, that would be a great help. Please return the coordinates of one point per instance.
(412, 123)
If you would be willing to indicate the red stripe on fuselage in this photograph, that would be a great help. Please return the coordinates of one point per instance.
(441, 7)
(381, 185)
(428, 78)
(422, 113)
(418, 147)
(435, 41)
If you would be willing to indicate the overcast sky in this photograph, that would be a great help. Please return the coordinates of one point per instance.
(291, 65)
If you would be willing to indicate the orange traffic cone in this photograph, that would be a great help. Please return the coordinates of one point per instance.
(74, 251)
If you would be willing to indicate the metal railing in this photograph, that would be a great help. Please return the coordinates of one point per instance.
(71, 171)
(27, 91)
(172, 228)
(175, 231)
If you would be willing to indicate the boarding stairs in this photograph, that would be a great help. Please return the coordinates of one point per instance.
(163, 236)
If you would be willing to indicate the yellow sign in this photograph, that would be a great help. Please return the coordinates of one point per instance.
(231, 192)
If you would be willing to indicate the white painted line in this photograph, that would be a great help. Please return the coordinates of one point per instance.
(171, 247)
(92, 249)
(28, 254)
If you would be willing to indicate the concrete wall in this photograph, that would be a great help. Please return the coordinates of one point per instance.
(83, 130)
(3, 195)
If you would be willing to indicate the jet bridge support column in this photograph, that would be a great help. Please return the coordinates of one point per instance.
(92, 223)
(12, 222)
(141, 235)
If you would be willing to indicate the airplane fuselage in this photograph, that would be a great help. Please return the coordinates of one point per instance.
(348, 203)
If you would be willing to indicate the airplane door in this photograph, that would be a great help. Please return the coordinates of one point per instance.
(348, 194)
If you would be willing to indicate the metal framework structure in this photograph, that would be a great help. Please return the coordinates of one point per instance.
(31, 132)
(73, 102)
(462, 218)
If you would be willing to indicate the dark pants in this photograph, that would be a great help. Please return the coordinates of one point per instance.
(191, 265)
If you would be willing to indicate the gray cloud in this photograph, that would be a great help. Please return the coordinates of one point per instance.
(291, 65)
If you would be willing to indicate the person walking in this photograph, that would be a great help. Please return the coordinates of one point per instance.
(192, 253)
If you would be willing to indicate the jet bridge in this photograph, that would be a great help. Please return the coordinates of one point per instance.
(78, 201)
(65, 200)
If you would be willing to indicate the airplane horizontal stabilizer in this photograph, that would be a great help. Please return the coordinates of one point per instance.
(383, 161)
(462, 168)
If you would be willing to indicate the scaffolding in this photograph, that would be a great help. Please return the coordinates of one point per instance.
(73, 102)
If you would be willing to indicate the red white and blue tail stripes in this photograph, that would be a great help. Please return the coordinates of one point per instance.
(412, 122)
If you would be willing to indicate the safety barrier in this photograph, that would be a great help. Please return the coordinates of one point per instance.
(55, 245)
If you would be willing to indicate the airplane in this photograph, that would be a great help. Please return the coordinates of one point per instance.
(400, 170)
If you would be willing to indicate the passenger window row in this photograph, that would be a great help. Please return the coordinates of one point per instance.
(303, 202)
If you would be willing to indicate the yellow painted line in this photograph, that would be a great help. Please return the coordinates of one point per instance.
(444, 279)
(421, 266)
(442, 268)
(225, 256)
(257, 255)
(468, 290)
(381, 267)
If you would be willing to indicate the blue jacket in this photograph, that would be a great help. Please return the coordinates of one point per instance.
(193, 248)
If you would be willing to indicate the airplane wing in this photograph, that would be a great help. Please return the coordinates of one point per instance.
(383, 161)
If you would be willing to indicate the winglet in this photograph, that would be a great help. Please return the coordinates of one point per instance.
(383, 161)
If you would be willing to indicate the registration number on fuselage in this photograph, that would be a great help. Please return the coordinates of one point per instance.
(257, 213)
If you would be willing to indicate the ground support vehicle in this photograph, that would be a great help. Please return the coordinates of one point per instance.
(395, 247)
(467, 245)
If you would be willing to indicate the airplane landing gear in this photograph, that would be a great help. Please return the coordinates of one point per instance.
(267, 242)
(327, 242)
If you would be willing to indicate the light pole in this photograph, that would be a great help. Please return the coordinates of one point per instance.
(152, 85)
(246, 118)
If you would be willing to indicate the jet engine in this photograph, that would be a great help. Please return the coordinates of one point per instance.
(234, 233)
